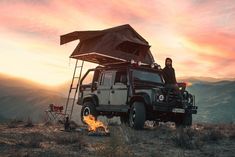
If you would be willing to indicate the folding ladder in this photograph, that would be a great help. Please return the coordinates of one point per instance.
(73, 89)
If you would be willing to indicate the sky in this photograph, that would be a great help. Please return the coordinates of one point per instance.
(199, 35)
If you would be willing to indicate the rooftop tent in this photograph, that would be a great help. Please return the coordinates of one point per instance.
(114, 45)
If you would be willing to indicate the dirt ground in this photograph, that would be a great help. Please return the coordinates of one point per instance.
(47, 140)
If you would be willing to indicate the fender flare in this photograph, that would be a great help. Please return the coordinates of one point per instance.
(91, 97)
(144, 97)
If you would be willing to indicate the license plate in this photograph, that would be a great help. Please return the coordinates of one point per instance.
(178, 110)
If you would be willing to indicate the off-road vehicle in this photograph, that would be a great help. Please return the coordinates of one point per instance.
(136, 93)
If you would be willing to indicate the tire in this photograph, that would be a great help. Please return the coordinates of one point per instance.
(137, 115)
(88, 108)
(184, 120)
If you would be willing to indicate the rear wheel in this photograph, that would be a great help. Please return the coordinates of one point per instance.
(88, 108)
(137, 115)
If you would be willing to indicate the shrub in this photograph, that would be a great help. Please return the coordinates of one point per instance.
(185, 138)
(232, 135)
(14, 123)
(67, 138)
(212, 136)
(116, 147)
(30, 140)
(29, 122)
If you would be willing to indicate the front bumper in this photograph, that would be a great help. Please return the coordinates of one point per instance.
(171, 107)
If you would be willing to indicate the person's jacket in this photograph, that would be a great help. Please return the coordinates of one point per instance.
(169, 75)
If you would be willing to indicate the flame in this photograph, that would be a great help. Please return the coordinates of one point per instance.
(94, 125)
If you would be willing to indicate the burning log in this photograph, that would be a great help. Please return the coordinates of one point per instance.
(96, 127)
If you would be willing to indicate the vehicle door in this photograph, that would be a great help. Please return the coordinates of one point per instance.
(104, 87)
(118, 93)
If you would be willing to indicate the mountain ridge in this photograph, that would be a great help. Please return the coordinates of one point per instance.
(19, 98)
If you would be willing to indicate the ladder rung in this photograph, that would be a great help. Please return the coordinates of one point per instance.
(78, 66)
(76, 77)
(74, 88)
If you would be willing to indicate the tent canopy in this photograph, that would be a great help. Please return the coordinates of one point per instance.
(113, 45)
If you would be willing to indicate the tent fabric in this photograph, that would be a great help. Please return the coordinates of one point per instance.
(113, 45)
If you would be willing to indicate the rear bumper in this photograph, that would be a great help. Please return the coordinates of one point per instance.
(164, 107)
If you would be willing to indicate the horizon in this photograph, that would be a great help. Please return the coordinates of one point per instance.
(201, 43)
(187, 78)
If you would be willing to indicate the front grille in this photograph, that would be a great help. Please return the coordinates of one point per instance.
(173, 96)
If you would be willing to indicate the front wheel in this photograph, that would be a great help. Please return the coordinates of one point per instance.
(88, 108)
(137, 115)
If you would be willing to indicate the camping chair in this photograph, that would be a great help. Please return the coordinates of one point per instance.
(55, 113)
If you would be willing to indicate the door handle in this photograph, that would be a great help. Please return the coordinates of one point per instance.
(112, 91)
(98, 91)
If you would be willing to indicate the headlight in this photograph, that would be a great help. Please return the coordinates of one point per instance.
(161, 97)
(190, 99)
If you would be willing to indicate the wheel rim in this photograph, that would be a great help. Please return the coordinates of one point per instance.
(86, 111)
(132, 117)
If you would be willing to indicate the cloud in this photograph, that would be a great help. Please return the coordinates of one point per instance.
(195, 33)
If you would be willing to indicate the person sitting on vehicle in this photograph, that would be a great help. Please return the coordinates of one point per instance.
(169, 74)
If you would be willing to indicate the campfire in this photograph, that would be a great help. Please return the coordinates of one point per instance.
(96, 127)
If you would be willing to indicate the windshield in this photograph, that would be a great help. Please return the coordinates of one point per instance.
(146, 76)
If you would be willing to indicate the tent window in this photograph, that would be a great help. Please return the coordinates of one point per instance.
(129, 47)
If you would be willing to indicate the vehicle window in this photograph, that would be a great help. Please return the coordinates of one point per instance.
(146, 76)
(88, 78)
(107, 79)
(121, 77)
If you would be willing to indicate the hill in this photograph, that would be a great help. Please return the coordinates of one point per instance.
(215, 100)
(20, 99)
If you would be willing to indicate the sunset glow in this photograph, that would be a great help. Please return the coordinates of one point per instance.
(198, 35)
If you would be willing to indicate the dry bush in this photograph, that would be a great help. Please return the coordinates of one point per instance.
(48, 123)
(29, 122)
(116, 147)
(14, 123)
(183, 138)
(69, 138)
(212, 136)
(232, 135)
(30, 140)
(188, 138)
(130, 135)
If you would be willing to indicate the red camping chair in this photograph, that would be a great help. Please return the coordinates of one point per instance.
(55, 113)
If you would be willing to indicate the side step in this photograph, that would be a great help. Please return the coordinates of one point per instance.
(113, 108)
